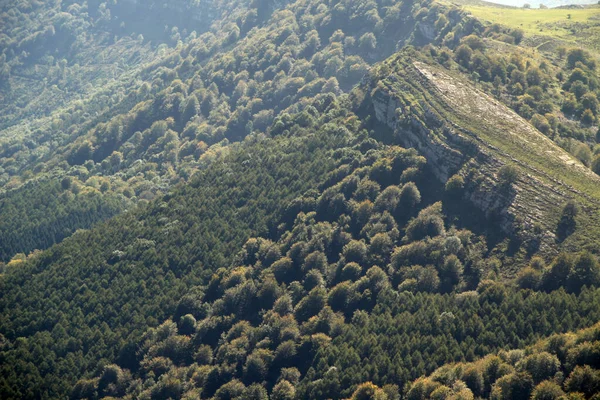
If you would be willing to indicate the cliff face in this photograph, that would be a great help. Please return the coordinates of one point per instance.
(461, 130)
(445, 157)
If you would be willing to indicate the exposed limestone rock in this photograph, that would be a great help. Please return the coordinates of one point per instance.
(460, 129)
(428, 31)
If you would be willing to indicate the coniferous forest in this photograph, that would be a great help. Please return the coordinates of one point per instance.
(299, 199)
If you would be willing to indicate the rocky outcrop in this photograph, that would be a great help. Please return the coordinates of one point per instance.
(446, 157)
(447, 151)
(427, 31)
(461, 130)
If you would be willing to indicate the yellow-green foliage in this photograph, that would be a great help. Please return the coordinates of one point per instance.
(534, 370)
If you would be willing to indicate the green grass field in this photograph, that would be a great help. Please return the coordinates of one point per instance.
(578, 26)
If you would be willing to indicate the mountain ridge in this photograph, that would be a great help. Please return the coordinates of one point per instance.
(289, 234)
(455, 141)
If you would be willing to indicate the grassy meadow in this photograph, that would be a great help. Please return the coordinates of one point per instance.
(578, 25)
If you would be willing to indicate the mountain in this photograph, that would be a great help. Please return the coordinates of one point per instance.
(287, 200)
(120, 116)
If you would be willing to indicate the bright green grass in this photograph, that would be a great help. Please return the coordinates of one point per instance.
(580, 26)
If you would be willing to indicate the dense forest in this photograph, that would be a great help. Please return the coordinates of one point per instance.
(138, 114)
(562, 366)
(304, 199)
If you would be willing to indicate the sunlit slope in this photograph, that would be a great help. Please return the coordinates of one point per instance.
(523, 372)
(571, 26)
(461, 130)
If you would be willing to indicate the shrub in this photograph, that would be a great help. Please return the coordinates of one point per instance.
(541, 366)
(455, 184)
(515, 386)
(583, 379)
(508, 174)
(187, 324)
(355, 251)
(429, 222)
(529, 278)
(567, 224)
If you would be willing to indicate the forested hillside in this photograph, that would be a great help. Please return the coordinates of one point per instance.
(147, 122)
(562, 366)
(294, 200)
(97, 289)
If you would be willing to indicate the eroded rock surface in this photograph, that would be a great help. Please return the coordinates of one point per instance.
(462, 130)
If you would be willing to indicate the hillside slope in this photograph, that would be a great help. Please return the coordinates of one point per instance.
(346, 226)
(290, 235)
(562, 366)
(464, 132)
(83, 300)
(128, 118)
